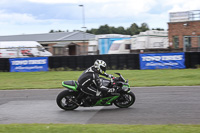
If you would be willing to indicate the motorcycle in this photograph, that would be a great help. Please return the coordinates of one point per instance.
(73, 97)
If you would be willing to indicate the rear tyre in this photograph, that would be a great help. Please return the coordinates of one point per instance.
(125, 100)
(66, 100)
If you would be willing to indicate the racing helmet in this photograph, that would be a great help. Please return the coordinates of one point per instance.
(100, 65)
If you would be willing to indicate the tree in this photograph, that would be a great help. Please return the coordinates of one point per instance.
(160, 29)
(92, 31)
(144, 27)
(121, 30)
(133, 29)
(104, 29)
(53, 31)
(114, 30)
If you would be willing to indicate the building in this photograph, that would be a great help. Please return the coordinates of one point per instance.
(66, 48)
(184, 30)
(76, 41)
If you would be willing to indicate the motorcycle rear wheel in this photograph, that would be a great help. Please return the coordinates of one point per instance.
(66, 100)
(125, 100)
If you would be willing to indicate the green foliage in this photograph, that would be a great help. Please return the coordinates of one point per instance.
(97, 128)
(160, 29)
(104, 29)
(53, 31)
(134, 29)
(53, 79)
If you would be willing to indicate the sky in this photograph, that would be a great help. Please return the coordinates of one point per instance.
(40, 16)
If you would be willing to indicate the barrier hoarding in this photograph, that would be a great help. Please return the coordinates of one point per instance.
(29, 64)
(162, 61)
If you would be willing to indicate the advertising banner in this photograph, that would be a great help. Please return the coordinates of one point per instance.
(34, 64)
(162, 61)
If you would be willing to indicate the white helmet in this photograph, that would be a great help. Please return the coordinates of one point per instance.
(100, 65)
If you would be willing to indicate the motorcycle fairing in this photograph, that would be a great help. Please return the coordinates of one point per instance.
(106, 101)
(105, 82)
(71, 84)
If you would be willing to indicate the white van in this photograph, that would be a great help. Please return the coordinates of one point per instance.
(14, 49)
(120, 47)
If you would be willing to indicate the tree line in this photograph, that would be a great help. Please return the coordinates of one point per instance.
(134, 29)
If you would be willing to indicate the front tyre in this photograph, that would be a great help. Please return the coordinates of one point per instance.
(125, 100)
(65, 100)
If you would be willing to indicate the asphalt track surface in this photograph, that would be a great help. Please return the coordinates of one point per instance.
(154, 105)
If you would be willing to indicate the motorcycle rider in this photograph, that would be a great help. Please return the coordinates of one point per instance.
(89, 81)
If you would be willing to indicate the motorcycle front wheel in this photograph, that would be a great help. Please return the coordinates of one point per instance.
(125, 100)
(66, 100)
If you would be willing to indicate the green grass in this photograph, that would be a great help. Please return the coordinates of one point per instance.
(97, 128)
(53, 79)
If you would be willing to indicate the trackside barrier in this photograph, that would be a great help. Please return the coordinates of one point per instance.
(4, 64)
(120, 61)
(162, 61)
(116, 61)
(34, 64)
(192, 59)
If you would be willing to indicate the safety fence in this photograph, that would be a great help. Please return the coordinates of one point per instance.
(116, 61)
(4, 64)
(120, 61)
(192, 59)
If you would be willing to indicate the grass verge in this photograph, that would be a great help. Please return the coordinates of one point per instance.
(97, 128)
(53, 79)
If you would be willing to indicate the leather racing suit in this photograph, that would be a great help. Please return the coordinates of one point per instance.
(89, 82)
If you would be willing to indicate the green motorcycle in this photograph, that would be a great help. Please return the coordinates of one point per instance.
(73, 97)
